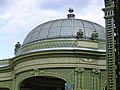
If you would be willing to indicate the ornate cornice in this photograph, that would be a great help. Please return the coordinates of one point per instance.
(4, 62)
(6, 76)
(59, 43)
(56, 63)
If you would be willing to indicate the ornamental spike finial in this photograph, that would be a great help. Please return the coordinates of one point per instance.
(71, 10)
(71, 16)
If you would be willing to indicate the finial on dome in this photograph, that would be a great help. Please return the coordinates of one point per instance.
(70, 10)
(71, 16)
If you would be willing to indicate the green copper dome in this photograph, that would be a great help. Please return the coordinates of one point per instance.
(64, 28)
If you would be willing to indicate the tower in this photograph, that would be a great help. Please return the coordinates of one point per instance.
(117, 40)
(110, 44)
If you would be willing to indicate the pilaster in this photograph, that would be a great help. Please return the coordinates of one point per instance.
(79, 78)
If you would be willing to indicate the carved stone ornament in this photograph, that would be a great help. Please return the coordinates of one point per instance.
(17, 46)
(96, 71)
(36, 72)
(80, 70)
(80, 34)
(88, 60)
(94, 35)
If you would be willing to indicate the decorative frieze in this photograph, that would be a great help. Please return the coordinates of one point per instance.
(6, 76)
(103, 80)
(86, 60)
(96, 71)
(36, 72)
(87, 44)
(54, 62)
(6, 84)
(47, 44)
(79, 69)
(59, 73)
(4, 62)
(80, 77)
(58, 43)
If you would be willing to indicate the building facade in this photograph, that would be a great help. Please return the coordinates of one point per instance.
(57, 55)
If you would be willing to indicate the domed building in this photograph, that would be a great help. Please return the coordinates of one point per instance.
(62, 54)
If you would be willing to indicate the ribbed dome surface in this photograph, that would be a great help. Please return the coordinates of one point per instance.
(64, 28)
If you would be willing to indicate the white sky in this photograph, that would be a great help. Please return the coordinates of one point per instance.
(19, 17)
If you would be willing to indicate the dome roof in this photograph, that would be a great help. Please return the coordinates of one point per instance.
(64, 28)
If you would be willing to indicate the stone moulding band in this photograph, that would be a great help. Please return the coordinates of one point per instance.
(52, 44)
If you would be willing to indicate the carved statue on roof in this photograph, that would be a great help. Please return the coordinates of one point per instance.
(80, 34)
(17, 46)
(94, 35)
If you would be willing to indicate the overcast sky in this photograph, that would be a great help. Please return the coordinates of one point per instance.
(19, 17)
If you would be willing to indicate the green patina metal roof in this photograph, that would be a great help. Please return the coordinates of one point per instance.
(64, 28)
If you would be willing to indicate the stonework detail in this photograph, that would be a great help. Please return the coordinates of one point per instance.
(89, 60)
(47, 44)
(7, 84)
(52, 44)
(94, 35)
(80, 77)
(102, 45)
(6, 76)
(103, 79)
(78, 69)
(4, 62)
(88, 79)
(56, 54)
(96, 71)
(48, 62)
(80, 34)
(65, 74)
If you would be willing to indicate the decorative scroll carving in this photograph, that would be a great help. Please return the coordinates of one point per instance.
(80, 34)
(17, 46)
(88, 60)
(80, 70)
(36, 72)
(96, 71)
(94, 35)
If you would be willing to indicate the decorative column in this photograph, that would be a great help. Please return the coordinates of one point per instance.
(79, 78)
(96, 79)
(14, 82)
